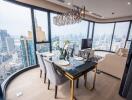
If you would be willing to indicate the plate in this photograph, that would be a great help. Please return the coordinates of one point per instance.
(63, 62)
(78, 58)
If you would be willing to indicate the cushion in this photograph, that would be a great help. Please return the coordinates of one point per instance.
(122, 52)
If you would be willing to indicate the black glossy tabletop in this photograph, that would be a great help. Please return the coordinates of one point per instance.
(75, 67)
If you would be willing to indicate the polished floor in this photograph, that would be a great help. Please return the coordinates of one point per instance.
(28, 86)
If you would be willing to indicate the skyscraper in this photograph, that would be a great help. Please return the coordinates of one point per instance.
(24, 51)
(30, 35)
(31, 52)
(27, 49)
(40, 34)
(10, 44)
(3, 35)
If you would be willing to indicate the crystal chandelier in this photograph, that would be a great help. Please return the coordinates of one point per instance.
(73, 16)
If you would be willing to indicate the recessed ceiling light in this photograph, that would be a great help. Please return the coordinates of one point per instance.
(113, 13)
(69, 3)
(129, 3)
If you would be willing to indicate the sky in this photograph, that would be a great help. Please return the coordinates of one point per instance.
(77, 28)
(16, 19)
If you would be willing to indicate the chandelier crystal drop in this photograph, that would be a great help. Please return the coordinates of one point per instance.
(71, 17)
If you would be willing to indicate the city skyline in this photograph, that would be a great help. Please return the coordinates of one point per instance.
(14, 57)
(17, 42)
(17, 23)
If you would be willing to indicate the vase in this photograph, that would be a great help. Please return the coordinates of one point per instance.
(63, 55)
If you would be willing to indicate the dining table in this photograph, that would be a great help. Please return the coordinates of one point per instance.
(73, 69)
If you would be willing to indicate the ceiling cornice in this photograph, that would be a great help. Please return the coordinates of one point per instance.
(58, 8)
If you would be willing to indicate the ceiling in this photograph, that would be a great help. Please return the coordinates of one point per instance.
(103, 9)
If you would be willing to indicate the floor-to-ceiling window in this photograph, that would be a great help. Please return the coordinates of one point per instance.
(102, 36)
(120, 35)
(73, 33)
(41, 28)
(16, 39)
(129, 38)
(90, 30)
(130, 34)
(16, 35)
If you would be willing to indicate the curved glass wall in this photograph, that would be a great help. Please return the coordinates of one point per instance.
(73, 33)
(130, 34)
(16, 39)
(41, 30)
(120, 35)
(128, 42)
(102, 36)
(90, 31)
(41, 26)
(43, 47)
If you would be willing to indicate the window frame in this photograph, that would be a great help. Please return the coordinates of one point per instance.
(32, 7)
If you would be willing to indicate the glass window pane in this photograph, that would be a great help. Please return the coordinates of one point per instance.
(41, 24)
(102, 36)
(130, 34)
(120, 35)
(73, 33)
(128, 44)
(90, 30)
(43, 47)
(16, 39)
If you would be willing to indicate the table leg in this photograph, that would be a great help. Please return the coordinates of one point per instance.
(72, 90)
(93, 79)
(94, 76)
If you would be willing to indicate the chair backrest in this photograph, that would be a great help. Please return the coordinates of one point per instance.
(41, 62)
(52, 74)
(86, 53)
(91, 53)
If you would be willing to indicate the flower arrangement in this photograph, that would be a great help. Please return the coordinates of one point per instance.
(64, 50)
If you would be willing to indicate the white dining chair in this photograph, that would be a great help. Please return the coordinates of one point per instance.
(42, 65)
(53, 75)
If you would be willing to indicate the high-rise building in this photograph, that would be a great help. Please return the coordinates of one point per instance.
(27, 49)
(31, 49)
(40, 34)
(25, 59)
(3, 35)
(10, 44)
(31, 52)
(30, 35)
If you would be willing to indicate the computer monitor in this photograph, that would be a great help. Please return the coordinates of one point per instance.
(86, 43)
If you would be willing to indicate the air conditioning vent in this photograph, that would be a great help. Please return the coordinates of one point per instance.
(62, 1)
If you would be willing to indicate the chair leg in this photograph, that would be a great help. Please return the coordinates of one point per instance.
(55, 91)
(40, 73)
(45, 78)
(48, 84)
(77, 83)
